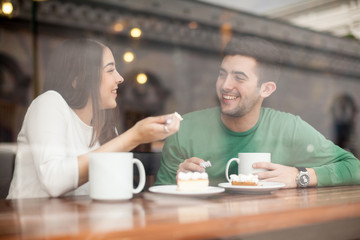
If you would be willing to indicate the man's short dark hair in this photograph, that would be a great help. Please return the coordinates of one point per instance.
(265, 53)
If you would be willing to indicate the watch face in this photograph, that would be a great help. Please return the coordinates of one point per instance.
(304, 180)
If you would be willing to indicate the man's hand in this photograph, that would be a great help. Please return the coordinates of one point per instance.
(191, 165)
(277, 173)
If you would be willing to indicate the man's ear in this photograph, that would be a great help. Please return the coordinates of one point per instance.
(267, 89)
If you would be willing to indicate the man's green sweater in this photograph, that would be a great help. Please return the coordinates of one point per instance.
(290, 140)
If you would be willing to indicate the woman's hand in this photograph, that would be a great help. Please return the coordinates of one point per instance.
(156, 128)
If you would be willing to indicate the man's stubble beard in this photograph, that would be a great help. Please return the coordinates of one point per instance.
(240, 111)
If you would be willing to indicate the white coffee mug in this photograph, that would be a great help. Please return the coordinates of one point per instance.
(245, 162)
(111, 175)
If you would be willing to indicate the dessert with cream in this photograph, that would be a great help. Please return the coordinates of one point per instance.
(178, 116)
(192, 181)
(244, 180)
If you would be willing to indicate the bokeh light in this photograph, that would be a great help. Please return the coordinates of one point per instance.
(118, 27)
(135, 32)
(193, 25)
(141, 78)
(128, 57)
(7, 8)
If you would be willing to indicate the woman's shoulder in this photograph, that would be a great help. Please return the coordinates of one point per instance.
(50, 97)
(46, 111)
(48, 101)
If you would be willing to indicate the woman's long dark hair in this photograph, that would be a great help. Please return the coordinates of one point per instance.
(74, 71)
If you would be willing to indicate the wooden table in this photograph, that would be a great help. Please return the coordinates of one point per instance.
(313, 213)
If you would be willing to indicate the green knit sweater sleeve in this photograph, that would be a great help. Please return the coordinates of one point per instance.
(332, 164)
(344, 170)
(293, 142)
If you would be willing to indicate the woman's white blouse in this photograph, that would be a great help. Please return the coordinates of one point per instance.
(51, 138)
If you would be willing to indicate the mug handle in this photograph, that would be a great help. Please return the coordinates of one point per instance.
(228, 165)
(142, 175)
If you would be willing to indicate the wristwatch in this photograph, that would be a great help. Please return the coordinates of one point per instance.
(303, 177)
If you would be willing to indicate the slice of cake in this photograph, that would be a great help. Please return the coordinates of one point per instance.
(244, 180)
(192, 181)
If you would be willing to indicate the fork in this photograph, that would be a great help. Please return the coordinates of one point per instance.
(206, 164)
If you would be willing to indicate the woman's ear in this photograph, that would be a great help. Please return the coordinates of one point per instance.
(74, 83)
(267, 89)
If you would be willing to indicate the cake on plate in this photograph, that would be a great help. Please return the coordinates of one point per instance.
(192, 181)
(244, 180)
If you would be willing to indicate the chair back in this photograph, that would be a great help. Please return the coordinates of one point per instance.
(151, 162)
(7, 164)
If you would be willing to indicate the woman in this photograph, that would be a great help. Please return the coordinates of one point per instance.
(73, 117)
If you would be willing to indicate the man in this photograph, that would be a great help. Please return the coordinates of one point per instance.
(247, 76)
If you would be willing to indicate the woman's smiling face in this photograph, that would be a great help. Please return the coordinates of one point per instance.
(110, 79)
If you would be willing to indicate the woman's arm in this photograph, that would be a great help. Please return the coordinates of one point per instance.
(147, 130)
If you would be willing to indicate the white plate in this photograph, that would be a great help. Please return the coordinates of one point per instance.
(263, 187)
(171, 189)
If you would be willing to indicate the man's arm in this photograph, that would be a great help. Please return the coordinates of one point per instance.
(327, 163)
(283, 174)
(344, 170)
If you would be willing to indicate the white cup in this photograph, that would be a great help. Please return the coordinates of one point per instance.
(111, 175)
(245, 162)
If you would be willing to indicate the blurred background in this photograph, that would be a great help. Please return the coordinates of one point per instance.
(168, 51)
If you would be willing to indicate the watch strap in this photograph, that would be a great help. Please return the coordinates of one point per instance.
(301, 169)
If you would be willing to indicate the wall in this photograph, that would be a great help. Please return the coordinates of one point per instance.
(186, 61)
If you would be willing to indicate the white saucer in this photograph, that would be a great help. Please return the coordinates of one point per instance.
(171, 189)
(263, 187)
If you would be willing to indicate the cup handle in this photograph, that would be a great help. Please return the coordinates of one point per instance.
(228, 165)
(142, 175)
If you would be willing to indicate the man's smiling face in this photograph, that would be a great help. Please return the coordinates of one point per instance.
(237, 85)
